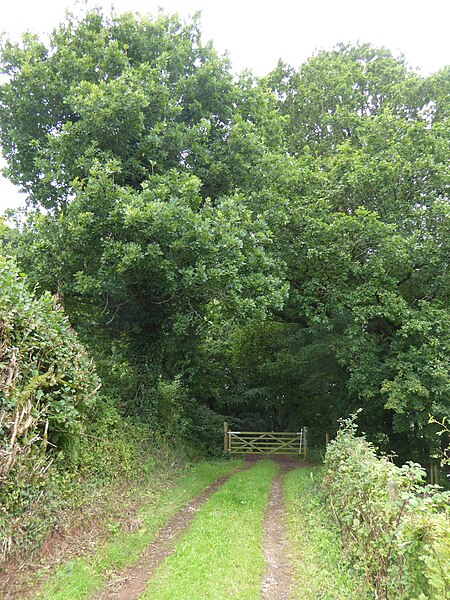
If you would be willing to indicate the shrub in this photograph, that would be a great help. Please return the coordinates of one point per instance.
(48, 395)
(393, 522)
(48, 384)
(61, 437)
(182, 418)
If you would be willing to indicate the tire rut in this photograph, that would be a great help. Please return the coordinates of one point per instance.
(131, 582)
(278, 578)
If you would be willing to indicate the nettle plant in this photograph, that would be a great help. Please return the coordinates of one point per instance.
(392, 522)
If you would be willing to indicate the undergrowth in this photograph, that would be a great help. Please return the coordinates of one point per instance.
(391, 521)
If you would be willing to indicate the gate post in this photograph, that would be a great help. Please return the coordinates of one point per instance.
(305, 442)
(225, 437)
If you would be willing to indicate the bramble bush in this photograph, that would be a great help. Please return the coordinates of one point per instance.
(390, 519)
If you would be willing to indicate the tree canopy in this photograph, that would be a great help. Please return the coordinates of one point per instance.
(274, 251)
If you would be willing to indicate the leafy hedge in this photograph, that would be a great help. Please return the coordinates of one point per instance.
(55, 426)
(61, 437)
(393, 522)
(48, 392)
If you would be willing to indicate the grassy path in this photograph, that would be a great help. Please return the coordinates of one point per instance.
(232, 544)
(220, 556)
(79, 579)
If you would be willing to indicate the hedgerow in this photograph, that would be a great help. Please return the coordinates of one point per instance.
(48, 391)
(58, 432)
(390, 519)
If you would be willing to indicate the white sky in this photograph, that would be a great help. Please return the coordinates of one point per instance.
(259, 32)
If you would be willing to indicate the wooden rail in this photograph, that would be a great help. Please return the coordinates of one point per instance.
(265, 442)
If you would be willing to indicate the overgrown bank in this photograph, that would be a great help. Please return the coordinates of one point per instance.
(321, 567)
(63, 442)
(393, 525)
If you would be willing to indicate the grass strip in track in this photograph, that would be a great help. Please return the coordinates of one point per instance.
(321, 571)
(221, 555)
(79, 578)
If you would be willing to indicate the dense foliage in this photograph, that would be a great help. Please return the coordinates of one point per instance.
(271, 251)
(398, 527)
(60, 434)
(48, 395)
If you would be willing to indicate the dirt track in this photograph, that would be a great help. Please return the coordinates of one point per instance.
(277, 581)
(133, 581)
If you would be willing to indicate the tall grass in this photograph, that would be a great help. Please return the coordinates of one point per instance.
(320, 568)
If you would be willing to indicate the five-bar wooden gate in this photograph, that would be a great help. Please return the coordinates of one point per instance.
(265, 442)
